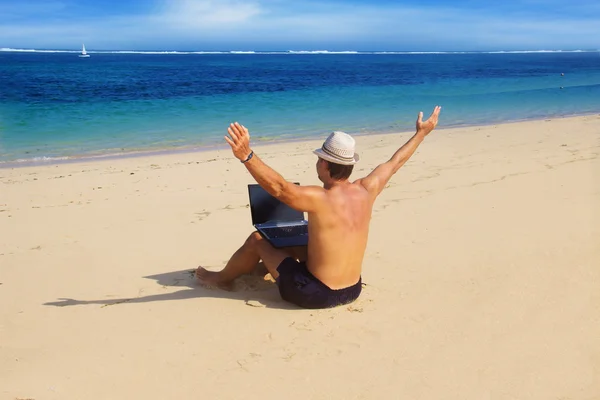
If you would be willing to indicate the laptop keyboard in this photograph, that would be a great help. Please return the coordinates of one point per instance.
(286, 231)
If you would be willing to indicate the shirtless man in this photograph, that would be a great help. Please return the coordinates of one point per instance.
(328, 273)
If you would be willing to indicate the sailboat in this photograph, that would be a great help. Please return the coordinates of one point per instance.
(83, 52)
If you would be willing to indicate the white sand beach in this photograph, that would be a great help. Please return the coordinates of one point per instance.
(482, 276)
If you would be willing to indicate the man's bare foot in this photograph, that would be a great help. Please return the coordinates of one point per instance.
(211, 279)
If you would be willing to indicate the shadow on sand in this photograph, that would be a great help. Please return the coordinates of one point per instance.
(251, 289)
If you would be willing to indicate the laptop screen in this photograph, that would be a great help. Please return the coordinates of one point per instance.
(266, 208)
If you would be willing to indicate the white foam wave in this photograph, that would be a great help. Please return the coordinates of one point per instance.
(54, 159)
(8, 49)
(157, 52)
(421, 52)
(487, 52)
(142, 52)
(176, 52)
(35, 160)
(322, 52)
(534, 51)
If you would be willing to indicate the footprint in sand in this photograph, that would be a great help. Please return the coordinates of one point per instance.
(202, 215)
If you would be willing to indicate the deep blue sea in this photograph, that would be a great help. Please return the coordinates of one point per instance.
(56, 105)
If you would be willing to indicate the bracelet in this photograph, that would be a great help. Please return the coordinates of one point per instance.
(249, 157)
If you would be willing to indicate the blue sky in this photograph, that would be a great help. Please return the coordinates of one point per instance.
(420, 25)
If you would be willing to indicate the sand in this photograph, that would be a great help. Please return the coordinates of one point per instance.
(482, 276)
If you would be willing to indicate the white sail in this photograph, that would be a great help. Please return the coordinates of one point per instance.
(83, 52)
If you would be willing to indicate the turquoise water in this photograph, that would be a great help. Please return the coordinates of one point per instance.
(58, 106)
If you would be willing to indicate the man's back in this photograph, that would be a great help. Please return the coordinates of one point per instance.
(338, 232)
(339, 221)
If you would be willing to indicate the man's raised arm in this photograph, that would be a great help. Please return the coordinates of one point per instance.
(376, 180)
(302, 198)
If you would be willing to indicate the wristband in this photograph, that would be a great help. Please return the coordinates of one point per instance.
(249, 157)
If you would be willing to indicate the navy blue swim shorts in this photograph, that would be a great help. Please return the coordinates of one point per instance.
(298, 286)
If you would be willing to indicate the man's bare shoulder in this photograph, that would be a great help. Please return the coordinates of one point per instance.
(366, 186)
(305, 198)
(359, 184)
(358, 181)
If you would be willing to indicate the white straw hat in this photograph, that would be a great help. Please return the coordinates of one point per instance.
(339, 149)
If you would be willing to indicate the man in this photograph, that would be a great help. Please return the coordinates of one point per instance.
(328, 273)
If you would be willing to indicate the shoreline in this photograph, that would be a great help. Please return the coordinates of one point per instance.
(198, 149)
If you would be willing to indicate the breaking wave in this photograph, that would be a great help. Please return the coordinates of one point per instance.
(177, 52)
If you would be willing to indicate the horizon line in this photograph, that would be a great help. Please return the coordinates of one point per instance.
(183, 52)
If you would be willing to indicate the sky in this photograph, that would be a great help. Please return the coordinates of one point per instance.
(281, 25)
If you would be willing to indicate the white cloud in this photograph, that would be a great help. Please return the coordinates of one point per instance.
(274, 24)
(205, 14)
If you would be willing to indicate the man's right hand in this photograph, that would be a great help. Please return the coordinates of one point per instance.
(425, 127)
(239, 141)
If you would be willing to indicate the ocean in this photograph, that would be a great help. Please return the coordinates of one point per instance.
(57, 106)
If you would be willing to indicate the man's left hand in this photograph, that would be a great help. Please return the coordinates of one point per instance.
(239, 141)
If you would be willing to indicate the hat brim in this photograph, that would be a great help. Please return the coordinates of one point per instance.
(321, 154)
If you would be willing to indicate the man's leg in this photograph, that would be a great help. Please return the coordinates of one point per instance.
(244, 261)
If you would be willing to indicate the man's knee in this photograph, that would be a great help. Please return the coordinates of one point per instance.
(254, 239)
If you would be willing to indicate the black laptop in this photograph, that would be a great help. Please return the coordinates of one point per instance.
(277, 222)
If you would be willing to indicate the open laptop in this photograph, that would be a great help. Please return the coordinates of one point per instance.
(277, 222)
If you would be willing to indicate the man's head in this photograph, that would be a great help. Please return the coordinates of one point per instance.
(336, 157)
